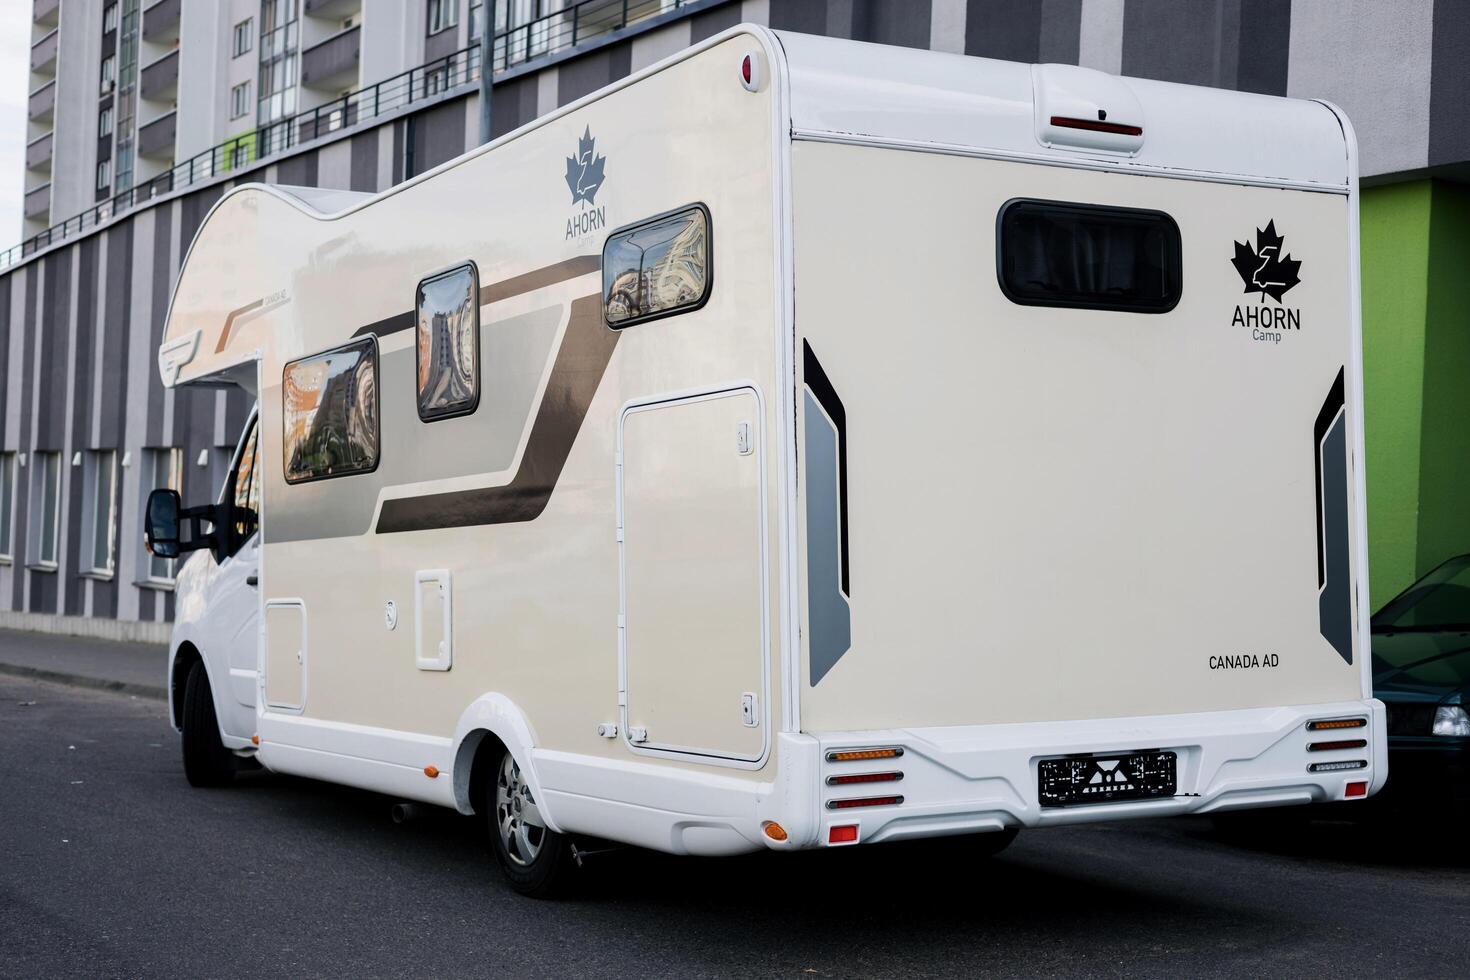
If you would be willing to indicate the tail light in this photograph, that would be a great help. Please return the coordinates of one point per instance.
(864, 777)
(863, 755)
(864, 801)
(1346, 743)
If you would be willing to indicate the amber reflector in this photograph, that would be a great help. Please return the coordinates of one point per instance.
(1323, 726)
(254, 739)
(774, 830)
(859, 755)
(431, 771)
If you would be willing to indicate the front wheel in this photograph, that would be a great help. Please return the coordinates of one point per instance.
(536, 860)
(206, 760)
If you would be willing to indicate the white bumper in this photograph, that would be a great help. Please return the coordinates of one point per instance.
(969, 779)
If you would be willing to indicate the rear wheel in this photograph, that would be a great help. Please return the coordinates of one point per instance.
(206, 760)
(536, 860)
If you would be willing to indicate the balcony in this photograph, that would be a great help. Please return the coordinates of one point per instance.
(38, 202)
(335, 9)
(42, 103)
(161, 22)
(38, 153)
(43, 54)
(44, 12)
(159, 82)
(333, 64)
(156, 139)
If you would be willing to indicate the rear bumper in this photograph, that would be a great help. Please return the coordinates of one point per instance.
(972, 779)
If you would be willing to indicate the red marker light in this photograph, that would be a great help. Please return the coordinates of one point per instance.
(1097, 126)
(745, 69)
(1356, 790)
(846, 834)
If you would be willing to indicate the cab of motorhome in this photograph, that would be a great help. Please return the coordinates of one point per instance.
(800, 443)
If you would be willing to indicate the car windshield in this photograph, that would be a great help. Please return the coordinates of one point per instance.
(1438, 601)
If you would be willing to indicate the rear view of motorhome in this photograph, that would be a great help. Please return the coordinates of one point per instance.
(800, 444)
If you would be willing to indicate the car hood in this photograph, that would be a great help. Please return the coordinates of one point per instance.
(1421, 665)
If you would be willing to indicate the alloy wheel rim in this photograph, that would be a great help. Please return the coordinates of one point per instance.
(517, 818)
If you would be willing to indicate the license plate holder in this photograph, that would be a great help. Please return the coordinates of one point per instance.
(1087, 780)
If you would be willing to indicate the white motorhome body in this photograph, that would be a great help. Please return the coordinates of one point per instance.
(975, 446)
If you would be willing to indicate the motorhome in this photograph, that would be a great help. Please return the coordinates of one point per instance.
(801, 443)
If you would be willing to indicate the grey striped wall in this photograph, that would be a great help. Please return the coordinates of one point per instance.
(80, 324)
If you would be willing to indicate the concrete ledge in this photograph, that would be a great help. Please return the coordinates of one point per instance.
(82, 680)
(123, 630)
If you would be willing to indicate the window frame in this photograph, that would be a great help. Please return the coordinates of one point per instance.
(9, 465)
(371, 340)
(709, 256)
(474, 403)
(152, 454)
(109, 18)
(107, 73)
(92, 474)
(240, 101)
(243, 29)
(37, 497)
(1079, 207)
(449, 13)
(106, 115)
(104, 174)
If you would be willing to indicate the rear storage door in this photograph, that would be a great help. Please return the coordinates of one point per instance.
(692, 527)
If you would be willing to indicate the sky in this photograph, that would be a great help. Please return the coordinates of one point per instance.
(15, 51)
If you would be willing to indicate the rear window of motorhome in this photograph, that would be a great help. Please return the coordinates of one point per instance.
(1052, 253)
(330, 412)
(657, 268)
(448, 349)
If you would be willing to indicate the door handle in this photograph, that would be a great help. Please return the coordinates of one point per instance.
(252, 579)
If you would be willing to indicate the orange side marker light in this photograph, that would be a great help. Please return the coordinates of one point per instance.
(431, 771)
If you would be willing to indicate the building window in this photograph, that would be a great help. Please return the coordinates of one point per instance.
(45, 508)
(1053, 253)
(658, 268)
(104, 174)
(443, 14)
(100, 508)
(448, 349)
(243, 37)
(7, 504)
(104, 122)
(279, 41)
(240, 154)
(165, 470)
(127, 95)
(109, 73)
(239, 100)
(330, 413)
(528, 28)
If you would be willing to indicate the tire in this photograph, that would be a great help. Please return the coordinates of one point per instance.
(206, 760)
(536, 860)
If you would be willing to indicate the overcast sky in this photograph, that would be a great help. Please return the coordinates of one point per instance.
(15, 50)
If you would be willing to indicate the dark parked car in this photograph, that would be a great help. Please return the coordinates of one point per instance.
(1421, 672)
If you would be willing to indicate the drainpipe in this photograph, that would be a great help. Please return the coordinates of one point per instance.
(487, 66)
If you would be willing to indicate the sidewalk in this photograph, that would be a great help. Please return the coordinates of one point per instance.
(131, 668)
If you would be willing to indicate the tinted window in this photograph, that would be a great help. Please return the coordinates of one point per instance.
(330, 413)
(1056, 254)
(657, 268)
(245, 496)
(449, 344)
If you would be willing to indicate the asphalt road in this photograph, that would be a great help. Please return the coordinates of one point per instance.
(112, 866)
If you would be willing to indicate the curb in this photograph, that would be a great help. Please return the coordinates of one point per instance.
(81, 680)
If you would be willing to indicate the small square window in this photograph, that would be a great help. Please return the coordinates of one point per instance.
(448, 348)
(243, 37)
(240, 100)
(104, 122)
(330, 413)
(657, 268)
(104, 175)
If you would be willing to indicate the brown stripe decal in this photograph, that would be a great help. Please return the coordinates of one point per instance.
(577, 371)
(224, 335)
(581, 265)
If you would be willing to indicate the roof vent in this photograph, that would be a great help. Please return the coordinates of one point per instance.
(1083, 109)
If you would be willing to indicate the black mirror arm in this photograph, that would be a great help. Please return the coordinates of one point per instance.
(198, 536)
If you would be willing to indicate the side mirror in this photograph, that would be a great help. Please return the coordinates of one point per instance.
(161, 523)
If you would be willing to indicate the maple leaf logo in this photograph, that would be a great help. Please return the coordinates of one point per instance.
(584, 171)
(1264, 269)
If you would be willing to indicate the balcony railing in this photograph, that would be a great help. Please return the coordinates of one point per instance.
(161, 21)
(333, 62)
(38, 152)
(44, 12)
(545, 36)
(156, 139)
(38, 200)
(159, 81)
(42, 102)
(43, 52)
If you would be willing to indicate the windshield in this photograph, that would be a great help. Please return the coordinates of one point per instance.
(1438, 601)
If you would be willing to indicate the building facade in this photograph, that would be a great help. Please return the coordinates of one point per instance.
(143, 112)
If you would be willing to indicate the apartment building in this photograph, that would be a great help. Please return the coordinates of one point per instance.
(143, 112)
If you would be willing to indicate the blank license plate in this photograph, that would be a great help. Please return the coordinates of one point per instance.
(1080, 780)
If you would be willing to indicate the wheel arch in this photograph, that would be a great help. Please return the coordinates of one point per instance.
(490, 725)
(185, 655)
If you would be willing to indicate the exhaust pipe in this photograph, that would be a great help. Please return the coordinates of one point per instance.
(402, 813)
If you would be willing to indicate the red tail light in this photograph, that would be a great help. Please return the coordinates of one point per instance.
(864, 777)
(1355, 790)
(864, 801)
(1346, 743)
(1097, 126)
(846, 834)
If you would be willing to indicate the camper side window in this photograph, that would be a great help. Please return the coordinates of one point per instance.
(657, 268)
(448, 314)
(330, 412)
(1052, 253)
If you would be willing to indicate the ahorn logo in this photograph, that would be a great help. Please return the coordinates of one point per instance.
(584, 179)
(1266, 269)
(584, 171)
